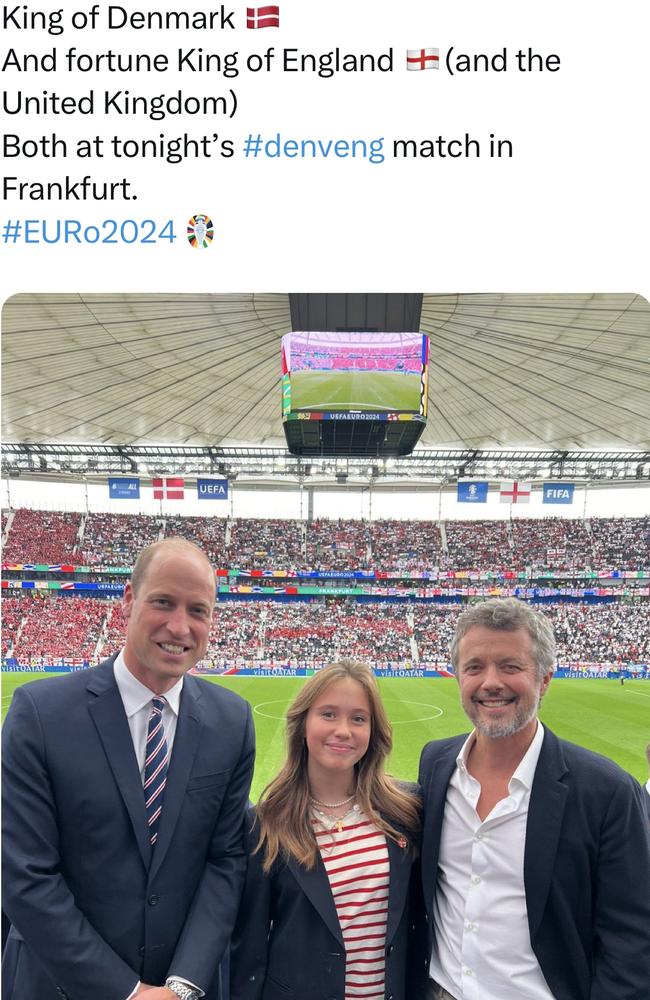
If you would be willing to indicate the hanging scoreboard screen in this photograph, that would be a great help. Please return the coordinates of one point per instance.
(359, 378)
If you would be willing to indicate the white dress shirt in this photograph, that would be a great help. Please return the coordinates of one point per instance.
(482, 948)
(136, 699)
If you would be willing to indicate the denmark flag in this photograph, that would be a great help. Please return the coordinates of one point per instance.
(169, 488)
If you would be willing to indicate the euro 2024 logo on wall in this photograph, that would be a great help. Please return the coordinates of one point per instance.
(200, 232)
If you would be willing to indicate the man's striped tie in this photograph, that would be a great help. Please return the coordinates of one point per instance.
(155, 767)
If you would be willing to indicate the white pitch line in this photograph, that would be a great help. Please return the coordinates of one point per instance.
(398, 722)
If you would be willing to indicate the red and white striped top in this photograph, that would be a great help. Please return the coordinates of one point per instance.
(357, 865)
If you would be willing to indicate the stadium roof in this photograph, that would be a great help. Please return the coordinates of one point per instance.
(506, 371)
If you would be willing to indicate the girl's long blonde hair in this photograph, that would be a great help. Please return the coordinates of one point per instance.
(283, 810)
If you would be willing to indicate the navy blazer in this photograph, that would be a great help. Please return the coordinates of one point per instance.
(288, 943)
(586, 868)
(92, 908)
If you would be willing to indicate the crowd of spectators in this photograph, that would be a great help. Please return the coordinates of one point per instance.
(209, 533)
(338, 545)
(317, 631)
(405, 546)
(54, 628)
(387, 546)
(116, 539)
(558, 543)
(255, 543)
(623, 542)
(610, 633)
(41, 536)
(478, 545)
(12, 614)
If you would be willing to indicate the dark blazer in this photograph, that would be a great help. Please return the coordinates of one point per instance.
(586, 868)
(92, 909)
(288, 941)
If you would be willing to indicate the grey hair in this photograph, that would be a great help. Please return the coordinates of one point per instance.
(508, 614)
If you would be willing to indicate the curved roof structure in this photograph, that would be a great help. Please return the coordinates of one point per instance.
(506, 371)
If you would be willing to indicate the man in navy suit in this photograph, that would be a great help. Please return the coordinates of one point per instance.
(535, 854)
(109, 899)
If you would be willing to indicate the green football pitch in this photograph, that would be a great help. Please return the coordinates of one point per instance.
(379, 391)
(604, 716)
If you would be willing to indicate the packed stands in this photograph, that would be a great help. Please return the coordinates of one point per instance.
(478, 545)
(611, 633)
(623, 542)
(209, 533)
(338, 545)
(259, 544)
(323, 545)
(310, 632)
(42, 536)
(558, 543)
(59, 627)
(12, 615)
(314, 632)
(116, 539)
(401, 546)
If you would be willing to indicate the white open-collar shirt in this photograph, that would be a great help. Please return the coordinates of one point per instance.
(482, 948)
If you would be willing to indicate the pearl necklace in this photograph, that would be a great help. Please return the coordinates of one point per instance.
(332, 805)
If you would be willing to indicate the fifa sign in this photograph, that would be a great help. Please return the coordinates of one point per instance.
(558, 493)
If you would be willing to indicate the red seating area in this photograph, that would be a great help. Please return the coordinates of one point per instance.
(59, 627)
(12, 614)
(42, 536)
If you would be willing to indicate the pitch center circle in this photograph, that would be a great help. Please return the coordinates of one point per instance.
(387, 701)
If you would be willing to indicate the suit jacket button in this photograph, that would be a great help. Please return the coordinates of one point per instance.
(153, 900)
(389, 949)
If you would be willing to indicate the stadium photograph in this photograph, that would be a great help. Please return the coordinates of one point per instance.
(359, 470)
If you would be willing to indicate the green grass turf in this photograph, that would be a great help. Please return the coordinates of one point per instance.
(601, 715)
(380, 391)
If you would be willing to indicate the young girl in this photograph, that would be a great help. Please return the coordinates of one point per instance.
(325, 908)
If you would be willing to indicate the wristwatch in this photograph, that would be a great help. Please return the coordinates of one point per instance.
(182, 990)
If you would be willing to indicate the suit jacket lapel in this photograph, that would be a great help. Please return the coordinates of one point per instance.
(186, 742)
(400, 874)
(316, 887)
(545, 813)
(107, 713)
(434, 791)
